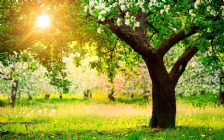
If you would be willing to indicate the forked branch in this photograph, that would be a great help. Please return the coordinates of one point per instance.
(175, 38)
(181, 63)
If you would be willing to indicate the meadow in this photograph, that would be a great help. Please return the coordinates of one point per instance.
(73, 118)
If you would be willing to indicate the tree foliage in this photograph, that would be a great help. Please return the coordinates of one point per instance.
(152, 28)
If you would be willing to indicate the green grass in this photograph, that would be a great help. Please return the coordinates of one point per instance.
(73, 118)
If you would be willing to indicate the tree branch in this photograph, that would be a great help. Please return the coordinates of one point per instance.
(175, 38)
(181, 63)
(135, 38)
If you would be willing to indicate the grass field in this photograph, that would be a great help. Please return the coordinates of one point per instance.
(100, 119)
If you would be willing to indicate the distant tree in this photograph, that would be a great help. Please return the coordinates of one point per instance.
(152, 28)
(19, 32)
(214, 62)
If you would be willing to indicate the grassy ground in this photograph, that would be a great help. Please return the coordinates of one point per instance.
(71, 118)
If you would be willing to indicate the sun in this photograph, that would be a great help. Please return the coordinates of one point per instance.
(43, 21)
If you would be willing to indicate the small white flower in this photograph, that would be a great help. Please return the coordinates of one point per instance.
(161, 11)
(119, 22)
(133, 18)
(196, 4)
(91, 3)
(137, 24)
(127, 14)
(167, 8)
(191, 13)
(99, 30)
(122, 7)
(121, 1)
(127, 22)
(103, 12)
(208, 8)
(213, 13)
(85, 9)
(115, 4)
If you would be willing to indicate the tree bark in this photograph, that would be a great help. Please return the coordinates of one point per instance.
(61, 95)
(47, 96)
(163, 95)
(13, 92)
(164, 106)
(221, 94)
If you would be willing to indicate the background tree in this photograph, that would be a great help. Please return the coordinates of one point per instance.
(152, 28)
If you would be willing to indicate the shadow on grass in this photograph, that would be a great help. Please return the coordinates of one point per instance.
(138, 133)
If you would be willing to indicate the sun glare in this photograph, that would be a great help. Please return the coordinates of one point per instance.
(43, 21)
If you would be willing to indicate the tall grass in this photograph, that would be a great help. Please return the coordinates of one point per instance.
(77, 119)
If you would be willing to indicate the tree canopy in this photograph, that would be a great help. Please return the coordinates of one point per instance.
(152, 28)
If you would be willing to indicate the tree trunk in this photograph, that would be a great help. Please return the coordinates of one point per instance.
(30, 98)
(47, 96)
(164, 106)
(13, 92)
(13, 100)
(163, 95)
(111, 95)
(221, 94)
(61, 95)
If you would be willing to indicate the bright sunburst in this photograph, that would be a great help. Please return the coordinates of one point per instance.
(43, 21)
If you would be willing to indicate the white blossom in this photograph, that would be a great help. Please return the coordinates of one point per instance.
(99, 30)
(127, 14)
(114, 4)
(103, 12)
(192, 13)
(133, 18)
(122, 7)
(167, 8)
(119, 22)
(137, 24)
(91, 3)
(86, 9)
(196, 4)
(161, 11)
(213, 13)
(121, 1)
(127, 22)
(222, 8)
(208, 8)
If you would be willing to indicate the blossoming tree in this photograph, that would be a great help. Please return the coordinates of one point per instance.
(152, 28)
